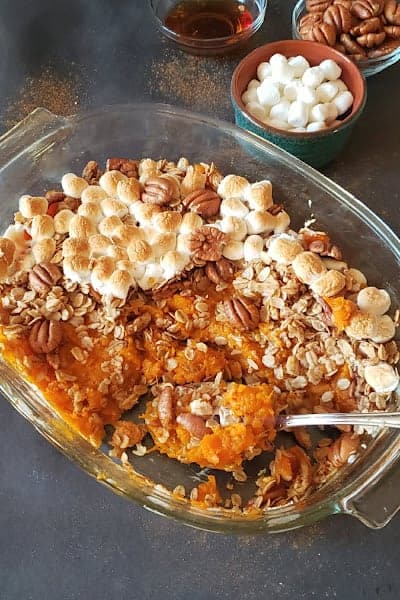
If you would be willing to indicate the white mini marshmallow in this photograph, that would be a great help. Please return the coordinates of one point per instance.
(298, 114)
(313, 77)
(316, 126)
(268, 93)
(256, 110)
(330, 69)
(233, 250)
(259, 221)
(307, 95)
(235, 227)
(299, 65)
(333, 112)
(326, 91)
(298, 129)
(381, 377)
(319, 112)
(343, 102)
(341, 86)
(253, 247)
(254, 83)
(249, 96)
(233, 207)
(73, 185)
(277, 124)
(263, 71)
(291, 90)
(280, 111)
(277, 60)
(283, 73)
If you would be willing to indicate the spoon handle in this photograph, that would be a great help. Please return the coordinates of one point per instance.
(366, 419)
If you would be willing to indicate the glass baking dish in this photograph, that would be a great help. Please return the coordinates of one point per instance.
(36, 153)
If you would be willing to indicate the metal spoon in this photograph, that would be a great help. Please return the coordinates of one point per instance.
(367, 419)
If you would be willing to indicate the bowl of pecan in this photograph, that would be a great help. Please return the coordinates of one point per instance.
(368, 31)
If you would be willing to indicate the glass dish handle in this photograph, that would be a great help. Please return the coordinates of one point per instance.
(377, 501)
(33, 127)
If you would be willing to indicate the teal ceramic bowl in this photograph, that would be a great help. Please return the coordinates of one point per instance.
(316, 148)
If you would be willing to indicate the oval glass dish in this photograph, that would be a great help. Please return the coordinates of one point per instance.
(369, 67)
(41, 148)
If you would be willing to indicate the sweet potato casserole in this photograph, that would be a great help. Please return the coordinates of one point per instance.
(170, 285)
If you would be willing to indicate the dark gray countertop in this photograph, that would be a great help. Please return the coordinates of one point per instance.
(62, 535)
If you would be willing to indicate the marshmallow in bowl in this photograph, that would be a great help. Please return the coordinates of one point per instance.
(233, 207)
(292, 94)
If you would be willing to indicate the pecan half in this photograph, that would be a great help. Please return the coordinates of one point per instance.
(157, 190)
(392, 12)
(368, 26)
(45, 336)
(370, 40)
(91, 172)
(339, 17)
(198, 281)
(324, 34)
(194, 424)
(351, 45)
(127, 166)
(206, 243)
(242, 313)
(205, 203)
(43, 276)
(221, 271)
(166, 406)
(275, 209)
(392, 31)
(317, 5)
(365, 9)
(307, 22)
(54, 196)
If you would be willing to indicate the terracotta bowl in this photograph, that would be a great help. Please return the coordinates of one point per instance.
(316, 148)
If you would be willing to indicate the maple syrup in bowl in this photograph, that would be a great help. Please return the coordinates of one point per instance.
(209, 26)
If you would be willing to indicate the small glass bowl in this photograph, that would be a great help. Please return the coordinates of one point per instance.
(209, 46)
(369, 67)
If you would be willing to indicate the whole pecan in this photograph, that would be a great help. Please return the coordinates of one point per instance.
(166, 405)
(324, 34)
(206, 243)
(317, 5)
(365, 9)
(368, 26)
(194, 424)
(157, 190)
(221, 271)
(127, 166)
(392, 31)
(339, 17)
(352, 47)
(45, 336)
(91, 172)
(242, 313)
(205, 203)
(370, 40)
(392, 12)
(43, 276)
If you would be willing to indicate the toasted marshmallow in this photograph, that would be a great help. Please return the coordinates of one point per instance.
(3, 269)
(183, 243)
(153, 275)
(120, 283)
(42, 227)
(308, 267)
(101, 275)
(190, 222)
(167, 221)
(117, 253)
(99, 245)
(195, 179)
(7, 250)
(173, 263)
(260, 222)
(81, 227)
(93, 193)
(43, 251)
(283, 249)
(146, 165)
(233, 250)
(259, 195)
(282, 222)
(253, 247)
(128, 190)
(106, 264)
(73, 185)
(126, 265)
(111, 207)
(362, 326)
(109, 182)
(32, 206)
(337, 265)
(75, 247)
(92, 211)
(355, 280)
(233, 186)
(62, 220)
(386, 330)
(233, 207)
(236, 228)
(16, 233)
(373, 301)
(163, 243)
(144, 213)
(140, 252)
(110, 226)
(381, 377)
(127, 233)
(77, 268)
(329, 284)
